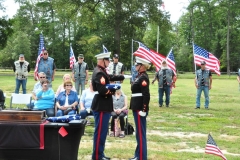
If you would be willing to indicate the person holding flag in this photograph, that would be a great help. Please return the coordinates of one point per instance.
(102, 104)
(165, 77)
(139, 105)
(46, 64)
(203, 82)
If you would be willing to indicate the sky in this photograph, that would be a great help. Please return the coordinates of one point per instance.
(174, 7)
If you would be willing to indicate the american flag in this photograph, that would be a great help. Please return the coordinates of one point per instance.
(150, 55)
(212, 148)
(105, 50)
(163, 5)
(212, 63)
(41, 48)
(72, 58)
(171, 61)
(41, 44)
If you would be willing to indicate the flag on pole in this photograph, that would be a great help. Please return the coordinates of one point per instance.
(171, 61)
(72, 58)
(163, 5)
(150, 55)
(212, 63)
(212, 148)
(41, 44)
(105, 50)
(40, 54)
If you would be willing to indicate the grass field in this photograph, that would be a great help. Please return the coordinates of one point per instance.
(176, 133)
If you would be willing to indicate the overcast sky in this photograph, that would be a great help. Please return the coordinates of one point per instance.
(174, 7)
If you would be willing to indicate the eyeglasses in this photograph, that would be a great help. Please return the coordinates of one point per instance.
(45, 53)
(42, 77)
(69, 85)
(80, 58)
(21, 57)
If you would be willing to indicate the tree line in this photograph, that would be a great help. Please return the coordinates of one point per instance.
(89, 24)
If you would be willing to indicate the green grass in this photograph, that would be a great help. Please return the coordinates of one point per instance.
(175, 133)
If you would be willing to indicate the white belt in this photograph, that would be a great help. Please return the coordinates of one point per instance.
(96, 92)
(136, 94)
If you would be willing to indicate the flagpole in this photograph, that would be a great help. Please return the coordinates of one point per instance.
(132, 56)
(157, 37)
(194, 60)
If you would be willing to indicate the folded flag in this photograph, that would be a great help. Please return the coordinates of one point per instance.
(64, 119)
(113, 87)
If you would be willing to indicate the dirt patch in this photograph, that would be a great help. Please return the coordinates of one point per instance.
(176, 134)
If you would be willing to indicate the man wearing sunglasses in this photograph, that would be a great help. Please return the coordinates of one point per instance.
(80, 74)
(21, 69)
(37, 86)
(203, 82)
(47, 65)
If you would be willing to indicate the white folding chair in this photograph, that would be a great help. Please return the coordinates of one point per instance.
(20, 99)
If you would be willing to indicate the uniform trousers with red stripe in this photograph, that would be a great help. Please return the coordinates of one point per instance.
(140, 131)
(100, 133)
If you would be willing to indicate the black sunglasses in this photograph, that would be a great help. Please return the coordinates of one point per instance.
(42, 77)
(68, 85)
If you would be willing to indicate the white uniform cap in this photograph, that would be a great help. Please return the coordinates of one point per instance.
(103, 55)
(142, 61)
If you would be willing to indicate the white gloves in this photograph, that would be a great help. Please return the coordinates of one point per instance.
(141, 113)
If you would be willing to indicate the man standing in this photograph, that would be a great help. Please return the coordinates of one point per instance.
(116, 68)
(165, 78)
(80, 74)
(47, 65)
(203, 82)
(21, 69)
(140, 106)
(102, 104)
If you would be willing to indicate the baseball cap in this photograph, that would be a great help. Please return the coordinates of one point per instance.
(80, 56)
(115, 56)
(203, 63)
(21, 55)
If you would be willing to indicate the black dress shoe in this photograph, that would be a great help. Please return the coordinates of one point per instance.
(104, 158)
(135, 158)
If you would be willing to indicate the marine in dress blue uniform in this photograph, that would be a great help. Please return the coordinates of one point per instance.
(102, 104)
(140, 105)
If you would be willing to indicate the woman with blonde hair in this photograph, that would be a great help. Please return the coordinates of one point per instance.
(66, 77)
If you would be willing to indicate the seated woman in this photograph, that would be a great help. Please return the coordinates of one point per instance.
(86, 101)
(67, 100)
(119, 110)
(44, 97)
(66, 77)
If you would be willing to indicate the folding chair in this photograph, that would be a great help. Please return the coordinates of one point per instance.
(20, 99)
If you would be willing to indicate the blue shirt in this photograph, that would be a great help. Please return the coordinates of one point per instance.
(72, 97)
(86, 98)
(37, 87)
(45, 99)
